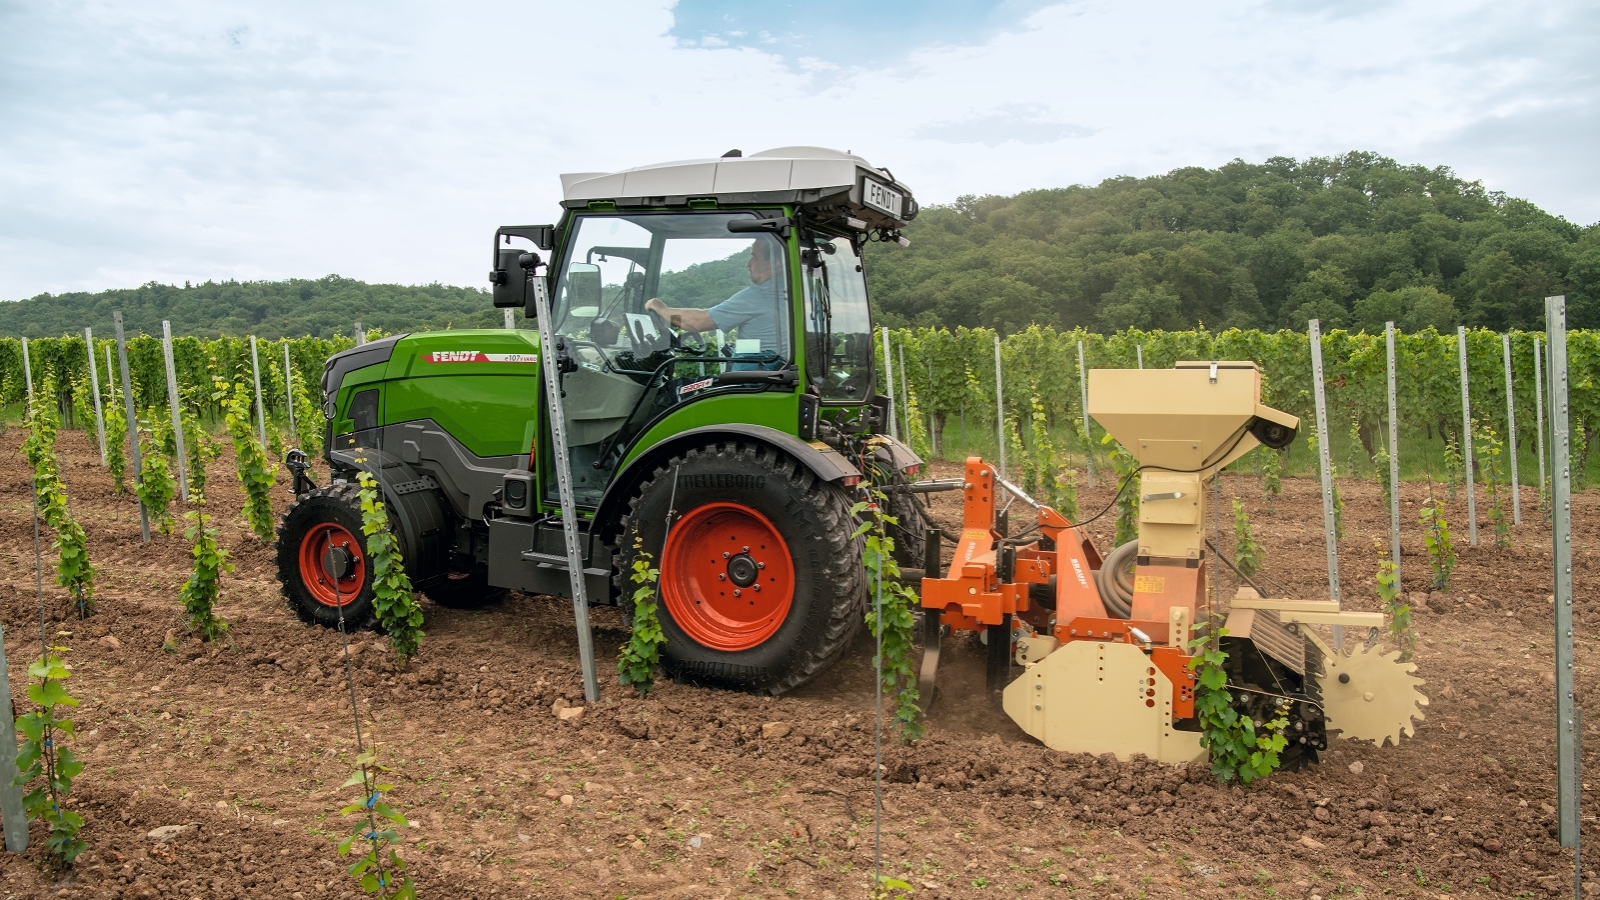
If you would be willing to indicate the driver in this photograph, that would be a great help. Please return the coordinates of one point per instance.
(753, 310)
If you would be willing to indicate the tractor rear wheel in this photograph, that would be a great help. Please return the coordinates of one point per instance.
(761, 583)
(326, 518)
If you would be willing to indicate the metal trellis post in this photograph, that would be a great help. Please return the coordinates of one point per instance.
(1466, 437)
(261, 414)
(94, 385)
(361, 335)
(1394, 459)
(172, 401)
(569, 510)
(1139, 350)
(1088, 433)
(1568, 738)
(27, 372)
(888, 376)
(511, 321)
(1511, 435)
(905, 394)
(1000, 406)
(1329, 527)
(133, 423)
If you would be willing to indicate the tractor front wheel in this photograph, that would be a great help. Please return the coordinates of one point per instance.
(326, 519)
(761, 584)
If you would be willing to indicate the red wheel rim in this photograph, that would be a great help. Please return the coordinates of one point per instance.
(747, 604)
(314, 573)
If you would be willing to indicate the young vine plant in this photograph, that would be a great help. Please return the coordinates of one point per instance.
(255, 473)
(116, 434)
(898, 625)
(156, 486)
(199, 593)
(1246, 553)
(1396, 611)
(43, 762)
(638, 658)
(73, 569)
(399, 614)
(380, 871)
(1489, 449)
(1237, 748)
(1436, 538)
(1271, 477)
(1126, 466)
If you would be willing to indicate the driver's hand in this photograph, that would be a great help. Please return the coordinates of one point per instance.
(655, 305)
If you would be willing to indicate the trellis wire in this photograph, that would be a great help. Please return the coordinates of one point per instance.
(1330, 531)
(94, 384)
(1511, 436)
(1466, 438)
(172, 401)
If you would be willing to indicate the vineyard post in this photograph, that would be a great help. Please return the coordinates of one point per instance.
(1538, 407)
(1511, 435)
(905, 392)
(15, 817)
(1466, 436)
(288, 386)
(1000, 405)
(1088, 435)
(1394, 460)
(261, 415)
(1328, 528)
(172, 401)
(361, 335)
(133, 424)
(569, 512)
(94, 385)
(1138, 350)
(1568, 738)
(933, 433)
(888, 375)
(511, 323)
(27, 370)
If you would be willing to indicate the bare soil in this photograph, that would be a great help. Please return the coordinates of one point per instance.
(702, 793)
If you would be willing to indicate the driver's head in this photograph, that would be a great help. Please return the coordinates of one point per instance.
(760, 262)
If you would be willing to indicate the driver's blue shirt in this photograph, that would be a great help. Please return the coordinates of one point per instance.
(754, 312)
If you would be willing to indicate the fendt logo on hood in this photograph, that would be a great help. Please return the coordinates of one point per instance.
(474, 356)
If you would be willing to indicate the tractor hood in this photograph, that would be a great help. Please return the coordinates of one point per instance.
(811, 176)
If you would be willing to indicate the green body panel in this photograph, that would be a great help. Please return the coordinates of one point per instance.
(774, 409)
(354, 383)
(489, 406)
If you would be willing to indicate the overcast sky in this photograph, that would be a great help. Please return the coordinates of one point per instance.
(188, 140)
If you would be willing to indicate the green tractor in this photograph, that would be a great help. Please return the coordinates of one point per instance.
(716, 365)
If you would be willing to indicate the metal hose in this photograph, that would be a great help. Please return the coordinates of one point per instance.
(1115, 581)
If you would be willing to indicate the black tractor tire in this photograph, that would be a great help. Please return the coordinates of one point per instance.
(722, 494)
(331, 513)
(910, 531)
(466, 590)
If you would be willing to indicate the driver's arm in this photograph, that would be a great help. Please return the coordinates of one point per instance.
(684, 318)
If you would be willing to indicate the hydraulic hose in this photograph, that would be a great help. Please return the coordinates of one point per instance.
(1116, 582)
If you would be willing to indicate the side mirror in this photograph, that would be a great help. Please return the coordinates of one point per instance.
(510, 280)
(583, 288)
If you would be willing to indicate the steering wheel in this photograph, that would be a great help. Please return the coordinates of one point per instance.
(690, 340)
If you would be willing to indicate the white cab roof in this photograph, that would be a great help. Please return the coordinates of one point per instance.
(780, 169)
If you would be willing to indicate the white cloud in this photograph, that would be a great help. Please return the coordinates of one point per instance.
(204, 140)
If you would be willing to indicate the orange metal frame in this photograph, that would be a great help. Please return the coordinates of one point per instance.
(971, 595)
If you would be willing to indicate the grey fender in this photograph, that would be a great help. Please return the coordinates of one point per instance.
(414, 500)
(823, 461)
(895, 453)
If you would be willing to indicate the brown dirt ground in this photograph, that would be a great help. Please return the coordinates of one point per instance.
(686, 795)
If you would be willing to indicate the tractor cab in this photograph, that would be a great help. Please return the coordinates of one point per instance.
(702, 280)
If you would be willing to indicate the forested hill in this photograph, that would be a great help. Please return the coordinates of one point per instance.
(268, 309)
(1354, 241)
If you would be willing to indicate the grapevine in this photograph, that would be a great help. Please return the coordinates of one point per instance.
(1397, 613)
(381, 872)
(255, 473)
(1246, 554)
(199, 593)
(156, 486)
(41, 759)
(399, 614)
(638, 658)
(1237, 748)
(73, 570)
(898, 625)
(1436, 538)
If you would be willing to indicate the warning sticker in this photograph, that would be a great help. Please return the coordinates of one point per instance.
(474, 356)
(1149, 584)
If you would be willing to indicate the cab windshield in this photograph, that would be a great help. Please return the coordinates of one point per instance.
(838, 324)
(651, 308)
